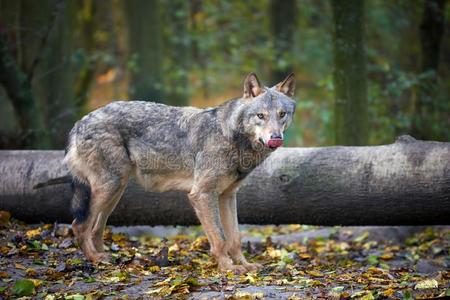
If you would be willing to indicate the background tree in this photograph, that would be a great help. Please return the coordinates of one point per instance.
(350, 83)
(145, 38)
(18, 88)
(199, 56)
(54, 64)
(283, 22)
(82, 54)
(178, 50)
(86, 22)
(41, 35)
(431, 33)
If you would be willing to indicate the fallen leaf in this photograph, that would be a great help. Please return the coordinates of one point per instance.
(19, 266)
(362, 237)
(33, 233)
(315, 273)
(23, 287)
(426, 284)
(5, 216)
(387, 256)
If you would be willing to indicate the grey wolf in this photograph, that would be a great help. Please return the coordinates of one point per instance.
(206, 153)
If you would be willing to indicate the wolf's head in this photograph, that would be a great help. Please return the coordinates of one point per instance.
(267, 112)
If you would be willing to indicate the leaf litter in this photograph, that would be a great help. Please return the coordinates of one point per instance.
(43, 262)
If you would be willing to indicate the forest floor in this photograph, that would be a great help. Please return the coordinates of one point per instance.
(300, 262)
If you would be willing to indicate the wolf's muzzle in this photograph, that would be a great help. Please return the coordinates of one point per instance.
(274, 143)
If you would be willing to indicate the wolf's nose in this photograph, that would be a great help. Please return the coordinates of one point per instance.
(276, 136)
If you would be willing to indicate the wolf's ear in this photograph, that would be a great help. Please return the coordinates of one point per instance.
(287, 86)
(252, 86)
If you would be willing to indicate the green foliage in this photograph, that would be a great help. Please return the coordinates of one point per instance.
(209, 46)
(23, 287)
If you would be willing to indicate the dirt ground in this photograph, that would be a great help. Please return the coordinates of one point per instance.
(300, 262)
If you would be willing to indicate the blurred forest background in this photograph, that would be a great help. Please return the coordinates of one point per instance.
(366, 71)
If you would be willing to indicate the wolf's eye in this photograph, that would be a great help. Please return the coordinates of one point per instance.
(282, 114)
(261, 116)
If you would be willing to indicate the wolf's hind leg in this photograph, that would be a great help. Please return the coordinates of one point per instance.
(106, 167)
(105, 196)
(103, 214)
(228, 214)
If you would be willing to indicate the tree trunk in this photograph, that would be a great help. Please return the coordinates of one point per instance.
(405, 183)
(350, 82)
(18, 52)
(62, 111)
(178, 40)
(431, 33)
(47, 49)
(199, 56)
(283, 22)
(145, 49)
(84, 79)
(18, 89)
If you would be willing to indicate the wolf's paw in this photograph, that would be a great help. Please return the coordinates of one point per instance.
(226, 265)
(252, 266)
(236, 269)
(100, 257)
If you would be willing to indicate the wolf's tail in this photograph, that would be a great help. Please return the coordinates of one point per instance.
(81, 199)
(81, 195)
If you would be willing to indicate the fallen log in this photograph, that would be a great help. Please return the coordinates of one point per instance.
(405, 183)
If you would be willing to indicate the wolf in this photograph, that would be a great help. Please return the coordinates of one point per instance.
(206, 153)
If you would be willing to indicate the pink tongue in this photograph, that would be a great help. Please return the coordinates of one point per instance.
(275, 143)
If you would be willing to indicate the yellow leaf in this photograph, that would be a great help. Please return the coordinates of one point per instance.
(174, 248)
(294, 297)
(48, 226)
(36, 282)
(247, 296)
(315, 273)
(426, 284)
(31, 272)
(249, 278)
(363, 295)
(4, 217)
(4, 274)
(19, 266)
(154, 269)
(389, 292)
(163, 291)
(316, 283)
(33, 232)
(304, 256)
(273, 253)
(387, 256)
(362, 237)
(367, 296)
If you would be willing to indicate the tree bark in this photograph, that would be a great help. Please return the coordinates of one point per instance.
(145, 49)
(350, 82)
(405, 183)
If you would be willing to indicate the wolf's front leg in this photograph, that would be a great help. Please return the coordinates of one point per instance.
(206, 206)
(228, 212)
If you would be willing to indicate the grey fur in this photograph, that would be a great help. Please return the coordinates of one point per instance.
(200, 151)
